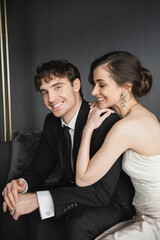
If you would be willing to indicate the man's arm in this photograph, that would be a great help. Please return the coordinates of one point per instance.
(96, 195)
(29, 202)
(64, 199)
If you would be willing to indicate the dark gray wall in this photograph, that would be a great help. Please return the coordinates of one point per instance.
(79, 31)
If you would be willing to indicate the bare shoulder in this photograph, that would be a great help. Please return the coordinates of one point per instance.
(145, 119)
(139, 131)
(123, 125)
(137, 123)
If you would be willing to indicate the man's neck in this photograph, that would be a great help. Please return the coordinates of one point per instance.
(74, 117)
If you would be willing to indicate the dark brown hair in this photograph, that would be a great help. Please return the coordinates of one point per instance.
(124, 67)
(59, 68)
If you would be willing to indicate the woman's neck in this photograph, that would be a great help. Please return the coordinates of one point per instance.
(129, 107)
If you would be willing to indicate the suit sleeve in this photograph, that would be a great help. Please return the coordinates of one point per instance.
(44, 161)
(96, 195)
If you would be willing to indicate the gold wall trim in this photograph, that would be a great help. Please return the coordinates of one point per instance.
(3, 79)
(5, 68)
(8, 72)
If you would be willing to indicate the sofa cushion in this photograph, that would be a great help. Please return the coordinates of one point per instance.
(24, 145)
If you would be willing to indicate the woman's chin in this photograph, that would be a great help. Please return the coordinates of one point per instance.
(102, 105)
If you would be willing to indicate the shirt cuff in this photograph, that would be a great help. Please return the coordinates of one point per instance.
(46, 205)
(26, 190)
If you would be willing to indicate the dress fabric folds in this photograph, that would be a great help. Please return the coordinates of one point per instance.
(145, 175)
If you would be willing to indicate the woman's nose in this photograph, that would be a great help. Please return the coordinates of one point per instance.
(94, 91)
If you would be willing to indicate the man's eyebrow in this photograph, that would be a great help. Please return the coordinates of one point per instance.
(53, 85)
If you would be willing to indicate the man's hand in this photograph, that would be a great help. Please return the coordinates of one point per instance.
(10, 193)
(27, 203)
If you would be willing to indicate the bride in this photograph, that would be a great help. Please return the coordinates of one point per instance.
(119, 81)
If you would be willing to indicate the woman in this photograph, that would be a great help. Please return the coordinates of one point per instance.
(119, 81)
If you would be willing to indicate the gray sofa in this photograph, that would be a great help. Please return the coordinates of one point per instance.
(16, 156)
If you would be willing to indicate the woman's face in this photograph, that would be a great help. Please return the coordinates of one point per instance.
(106, 90)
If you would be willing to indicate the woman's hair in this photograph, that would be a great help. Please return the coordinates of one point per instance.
(124, 67)
(59, 68)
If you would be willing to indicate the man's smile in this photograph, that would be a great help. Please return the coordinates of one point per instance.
(57, 105)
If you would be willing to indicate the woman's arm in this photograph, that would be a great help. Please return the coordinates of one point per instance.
(89, 171)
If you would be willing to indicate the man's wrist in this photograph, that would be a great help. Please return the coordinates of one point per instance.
(26, 189)
(36, 204)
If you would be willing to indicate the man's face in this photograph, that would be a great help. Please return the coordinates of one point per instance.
(60, 97)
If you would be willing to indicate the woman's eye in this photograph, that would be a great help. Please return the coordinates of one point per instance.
(101, 85)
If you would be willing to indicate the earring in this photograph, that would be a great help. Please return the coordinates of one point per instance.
(124, 102)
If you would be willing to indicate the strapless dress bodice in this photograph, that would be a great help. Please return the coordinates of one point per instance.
(145, 175)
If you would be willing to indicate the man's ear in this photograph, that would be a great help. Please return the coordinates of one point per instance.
(77, 85)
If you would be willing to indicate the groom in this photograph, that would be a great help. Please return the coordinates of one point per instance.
(63, 210)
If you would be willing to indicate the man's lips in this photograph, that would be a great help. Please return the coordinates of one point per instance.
(54, 106)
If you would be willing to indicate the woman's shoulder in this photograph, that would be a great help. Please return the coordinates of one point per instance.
(139, 120)
(138, 131)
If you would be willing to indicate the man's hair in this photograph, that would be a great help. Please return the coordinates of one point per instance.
(59, 68)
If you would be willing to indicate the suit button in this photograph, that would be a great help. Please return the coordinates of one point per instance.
(72, 205)
(68, 207)
(65, 209)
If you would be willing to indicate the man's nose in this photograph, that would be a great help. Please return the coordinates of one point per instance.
(51, 96)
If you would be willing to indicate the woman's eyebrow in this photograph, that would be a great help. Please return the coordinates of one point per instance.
(99, 80)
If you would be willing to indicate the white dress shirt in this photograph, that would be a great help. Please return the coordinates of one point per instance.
(46, 205)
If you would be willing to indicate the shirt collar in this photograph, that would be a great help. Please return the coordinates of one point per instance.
(72, 123)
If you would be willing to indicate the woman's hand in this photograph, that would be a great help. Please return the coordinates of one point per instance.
(93, 104)
(96, 116)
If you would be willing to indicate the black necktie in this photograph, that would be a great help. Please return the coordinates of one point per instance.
(67, 153)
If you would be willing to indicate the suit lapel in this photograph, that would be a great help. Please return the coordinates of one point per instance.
(80, 123)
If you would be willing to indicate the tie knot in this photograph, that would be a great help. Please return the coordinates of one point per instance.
(66, 128)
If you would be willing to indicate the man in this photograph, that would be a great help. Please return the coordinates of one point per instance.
(68, 211)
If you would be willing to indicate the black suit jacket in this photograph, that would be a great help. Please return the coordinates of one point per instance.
(114, 186)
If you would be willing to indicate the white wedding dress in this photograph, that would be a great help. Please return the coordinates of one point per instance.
(145, 175)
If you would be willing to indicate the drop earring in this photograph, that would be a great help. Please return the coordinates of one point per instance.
(124, 102)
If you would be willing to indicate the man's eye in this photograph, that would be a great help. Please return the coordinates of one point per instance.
(43, 93)
(58, 87)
